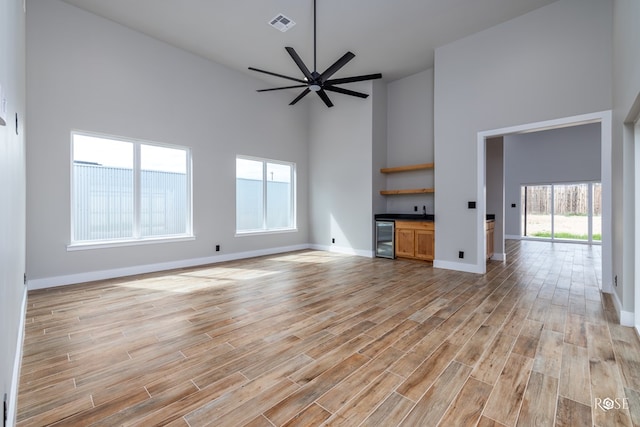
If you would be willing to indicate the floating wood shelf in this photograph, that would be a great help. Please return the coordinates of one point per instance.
(407, 168)
(407, 191)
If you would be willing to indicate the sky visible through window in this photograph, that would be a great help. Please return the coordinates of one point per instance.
(119, 154)
(253, 169)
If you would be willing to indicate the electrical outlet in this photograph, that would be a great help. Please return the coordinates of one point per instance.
(513, 205)
(471, 205)
(333, 240)
(415, 209)
(217, 248)
(460, 254)
(5, 411)
(615, 281)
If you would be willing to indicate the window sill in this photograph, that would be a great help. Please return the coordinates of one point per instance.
(259, 232)
(121, 243)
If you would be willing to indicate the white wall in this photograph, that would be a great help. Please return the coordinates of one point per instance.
(551, 63)
(379, 147)
(91, 74)
(341, 159)
(12, 194)
(410, 139)
(626, 105)
(570, 155)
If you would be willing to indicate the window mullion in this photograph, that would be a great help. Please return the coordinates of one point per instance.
(189, 191)
(590, 213)
(292, 198)
(553, 210)
(264, 195)
(137, 202)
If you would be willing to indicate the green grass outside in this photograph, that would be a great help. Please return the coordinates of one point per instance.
(561, 235)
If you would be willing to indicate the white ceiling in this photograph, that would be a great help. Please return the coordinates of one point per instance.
(394, 37)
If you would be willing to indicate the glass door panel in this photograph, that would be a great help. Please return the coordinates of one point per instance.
(537, 211)
(597, 211)
(571, 211)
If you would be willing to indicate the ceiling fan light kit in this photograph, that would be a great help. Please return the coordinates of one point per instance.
(314, 81)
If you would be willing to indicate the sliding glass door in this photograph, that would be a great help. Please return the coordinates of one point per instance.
(570, 212)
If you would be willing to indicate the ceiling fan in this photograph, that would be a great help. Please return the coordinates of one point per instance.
(319, 82)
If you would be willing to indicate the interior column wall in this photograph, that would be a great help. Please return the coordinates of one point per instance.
(341, 162)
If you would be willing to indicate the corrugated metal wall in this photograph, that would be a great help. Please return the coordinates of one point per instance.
(249, 206)
(104, 203)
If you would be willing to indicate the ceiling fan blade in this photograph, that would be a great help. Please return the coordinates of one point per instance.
(280, 88)
(345, 91)
(299, 63)
(299, 97)
(336, 66)
(354, 79)
(323, 95)
(277, 75)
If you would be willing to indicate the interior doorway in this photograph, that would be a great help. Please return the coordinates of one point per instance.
(604, 119)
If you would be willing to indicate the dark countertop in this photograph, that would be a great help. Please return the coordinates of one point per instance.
(415, 217)
(410, 217)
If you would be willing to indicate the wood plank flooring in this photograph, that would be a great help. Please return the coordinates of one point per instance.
(314, 338)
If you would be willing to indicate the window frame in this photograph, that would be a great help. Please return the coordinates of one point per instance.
(136, 238)
(292, 198)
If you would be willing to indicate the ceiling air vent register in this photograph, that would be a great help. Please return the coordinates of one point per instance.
(281, 23)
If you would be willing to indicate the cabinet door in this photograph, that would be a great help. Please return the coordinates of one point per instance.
(489, 227)
(424, 244)
(404, 242)
(490, 248)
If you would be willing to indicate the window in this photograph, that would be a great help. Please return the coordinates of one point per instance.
(562, 211)
(265, 195)
(128, 190)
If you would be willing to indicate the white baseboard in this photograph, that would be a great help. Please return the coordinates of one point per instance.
(627, 318)
(498, 256)
(512, 237)
(458, 266)
(12, 410)
(70, 279)
(343, 250)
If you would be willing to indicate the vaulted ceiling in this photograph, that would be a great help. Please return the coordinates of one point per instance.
(394, 37)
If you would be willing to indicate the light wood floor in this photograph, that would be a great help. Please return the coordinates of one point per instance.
(311, 338)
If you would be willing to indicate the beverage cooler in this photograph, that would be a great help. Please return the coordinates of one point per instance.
(385, 233)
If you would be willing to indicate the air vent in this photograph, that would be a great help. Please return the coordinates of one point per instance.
(281, 22)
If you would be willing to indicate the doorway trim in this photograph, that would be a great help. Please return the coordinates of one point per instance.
(602, 117)
(631, 133)
(636, 263)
